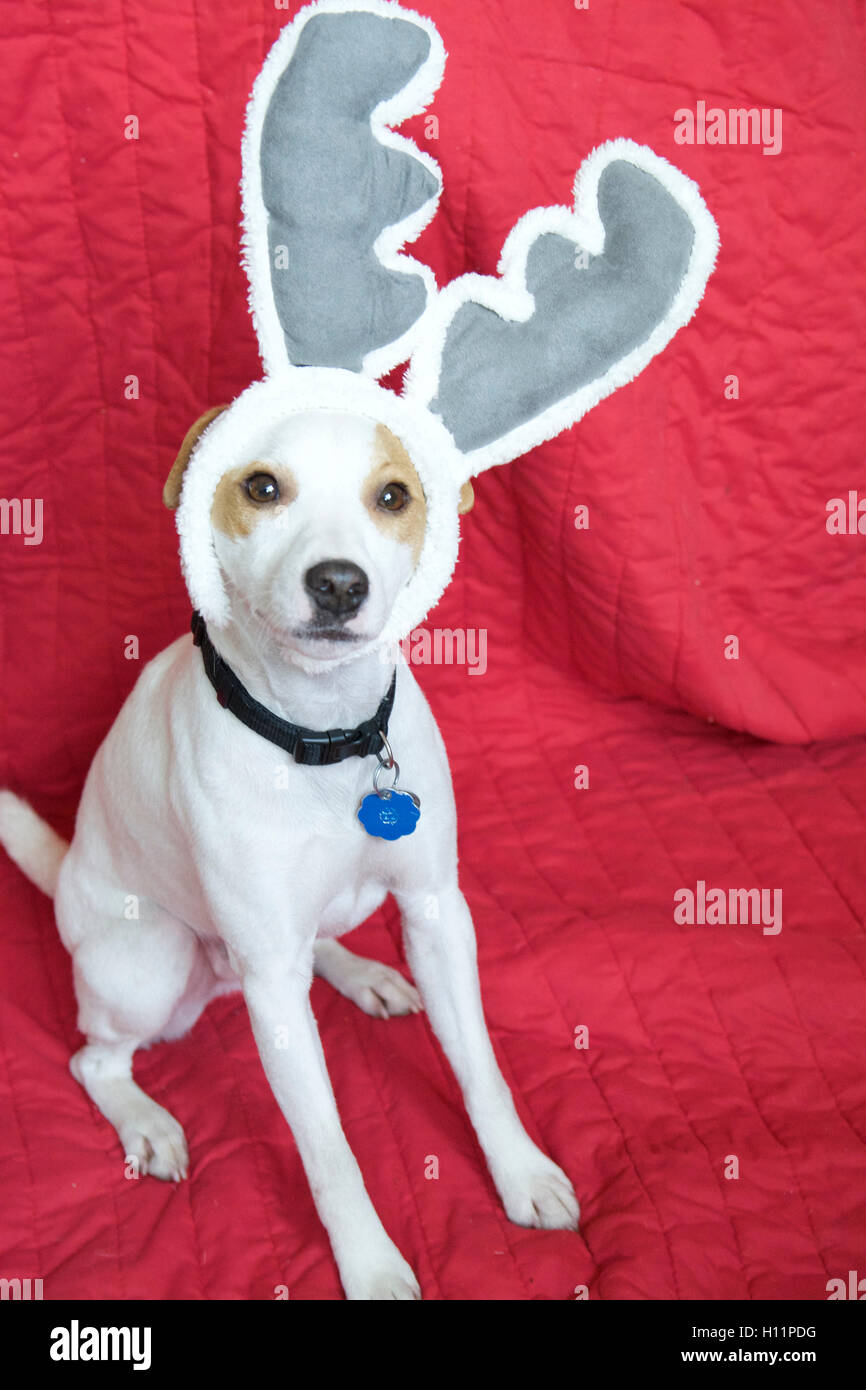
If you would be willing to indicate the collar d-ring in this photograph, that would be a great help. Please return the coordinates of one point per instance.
(390, 761)
(385, 792)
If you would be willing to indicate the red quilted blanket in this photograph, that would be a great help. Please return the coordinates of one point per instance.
(673, 692)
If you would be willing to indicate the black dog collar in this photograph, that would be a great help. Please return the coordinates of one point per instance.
(305, 745)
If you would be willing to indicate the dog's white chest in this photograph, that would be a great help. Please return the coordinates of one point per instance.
(350, 906)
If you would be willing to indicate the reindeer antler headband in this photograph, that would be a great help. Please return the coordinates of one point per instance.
(497, 364)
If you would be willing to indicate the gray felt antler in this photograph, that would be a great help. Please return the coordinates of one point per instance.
(330, 193)
(585, 299)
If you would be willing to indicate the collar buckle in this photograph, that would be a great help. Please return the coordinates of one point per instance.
(331, 746)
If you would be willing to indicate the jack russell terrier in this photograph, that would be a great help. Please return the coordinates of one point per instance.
(248, 868)
(254, 791)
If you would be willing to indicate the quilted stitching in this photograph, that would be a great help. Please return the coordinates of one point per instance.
(604, 647)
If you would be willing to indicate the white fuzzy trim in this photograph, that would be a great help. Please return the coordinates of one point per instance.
(226, 441)
(409, 101)
(510, 298)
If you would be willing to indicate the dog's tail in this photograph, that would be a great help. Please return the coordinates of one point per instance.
(29, 840)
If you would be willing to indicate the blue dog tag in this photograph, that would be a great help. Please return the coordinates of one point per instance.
(389, 815)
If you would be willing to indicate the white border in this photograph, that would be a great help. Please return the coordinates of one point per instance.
(409, 101)
(510, 298)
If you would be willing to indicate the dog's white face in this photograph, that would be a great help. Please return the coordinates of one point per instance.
(318, 530)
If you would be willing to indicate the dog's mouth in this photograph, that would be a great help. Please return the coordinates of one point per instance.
(316, 632)
(308, 632)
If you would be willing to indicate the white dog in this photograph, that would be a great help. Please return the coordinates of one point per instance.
(248, 866)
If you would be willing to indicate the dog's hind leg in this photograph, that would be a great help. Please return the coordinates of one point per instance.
(150, 1136)
(377, 989)
(133, 980)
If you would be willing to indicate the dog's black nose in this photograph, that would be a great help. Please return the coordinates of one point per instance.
(337, 587)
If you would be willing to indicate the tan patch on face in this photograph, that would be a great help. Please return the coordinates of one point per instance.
(235, 513)
(393, 465)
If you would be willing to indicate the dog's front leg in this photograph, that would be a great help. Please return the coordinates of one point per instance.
(441, 953)
(277, 996)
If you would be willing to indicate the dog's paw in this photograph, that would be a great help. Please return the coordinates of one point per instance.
(539, 1194)
(380, 991)
(157, 1144)
(381, 1280)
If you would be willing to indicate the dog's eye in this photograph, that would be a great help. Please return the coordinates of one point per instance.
(393, 497)
(261, 487)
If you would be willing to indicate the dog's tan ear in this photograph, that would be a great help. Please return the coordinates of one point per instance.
(174, 481)
(467, 499)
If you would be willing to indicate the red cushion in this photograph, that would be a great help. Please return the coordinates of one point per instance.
(605, 649)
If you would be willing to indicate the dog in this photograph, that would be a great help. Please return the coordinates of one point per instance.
(249, 867)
